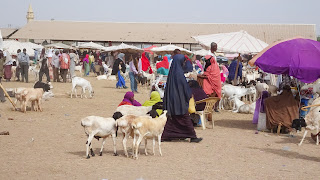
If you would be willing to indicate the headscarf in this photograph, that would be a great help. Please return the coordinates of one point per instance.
(199, 65)
(208, 63)
(154, 99)
(213, 83)
(164, 63)
(121, 56)
(163, 71)
(145, 63)
(188, 65)
(86, 59)
(127, 98)
(177, 93)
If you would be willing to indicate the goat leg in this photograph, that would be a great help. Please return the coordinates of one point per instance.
(103, 142)
(304, 135)
(114, 138)
(145, 146)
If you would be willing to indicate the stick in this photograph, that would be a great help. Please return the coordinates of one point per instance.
(236, 74)
(5, 92)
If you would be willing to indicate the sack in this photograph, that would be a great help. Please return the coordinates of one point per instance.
(192, 106)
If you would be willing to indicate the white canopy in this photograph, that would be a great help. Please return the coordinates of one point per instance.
(32, 45)
(12, 46)
(90, 45)
(236, 42)
(202, 52)
(125, 48)
(58, 46)
(168, 49)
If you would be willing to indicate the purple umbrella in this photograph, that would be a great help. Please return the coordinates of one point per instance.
(297, 57)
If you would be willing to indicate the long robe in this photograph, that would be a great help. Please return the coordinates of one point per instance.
(213, 83)
(176, 102)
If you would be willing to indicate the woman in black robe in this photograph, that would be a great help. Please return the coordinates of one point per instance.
(176, 102)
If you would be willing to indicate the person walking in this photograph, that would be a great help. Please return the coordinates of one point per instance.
(56, 66)
(7, 66)
(44, 66)
(24, 64)
(64, 65)
(176, 101)
(18, 69)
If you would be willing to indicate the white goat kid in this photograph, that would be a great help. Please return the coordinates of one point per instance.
(84, 84)
(99, 127)
(146, 126)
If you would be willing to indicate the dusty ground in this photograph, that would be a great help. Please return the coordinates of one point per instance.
(51, 145)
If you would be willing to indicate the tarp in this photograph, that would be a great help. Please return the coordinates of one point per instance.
(32, 45)
(236, 42)
(12, 46)
(125, 48)
(57, 46)
(168, 49)
(90, 45)
(296, 57)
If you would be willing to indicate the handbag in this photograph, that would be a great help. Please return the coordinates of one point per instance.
(192, 106)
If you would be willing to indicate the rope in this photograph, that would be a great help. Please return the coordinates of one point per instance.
(305, 107)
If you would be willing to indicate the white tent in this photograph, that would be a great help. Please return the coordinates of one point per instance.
(202, 52)
(236, 42)
(32, 45)
(12, 46)
(168, 49)
(125, 48)
(90, 45)
(58, 46)
(1, 41)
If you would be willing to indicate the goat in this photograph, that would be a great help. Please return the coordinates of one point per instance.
(99, 127)
(17, 94)
(47, 95)
(230, 90)
(312, 120)
(44, 86)
(134, 110)
(143, 126)
(241, 107)
(33, 70)
(150, 77)
(101, 77)
(33, 95)
(260, 87)
(273, 90)
(124, 125)
(84, 84)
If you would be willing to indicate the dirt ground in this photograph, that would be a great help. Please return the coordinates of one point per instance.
(51, 145)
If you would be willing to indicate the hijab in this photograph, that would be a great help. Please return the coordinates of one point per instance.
(188, 65)
(127, 99)
(177, 93)
(199, 65)
(86, 59)
(145, 62)
(164, 63)
(214, 77)
(154, 99)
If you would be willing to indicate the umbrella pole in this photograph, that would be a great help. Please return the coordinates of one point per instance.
(236, 74)
(5, 92)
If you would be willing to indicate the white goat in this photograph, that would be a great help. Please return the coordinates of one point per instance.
(150, 77)
(260, 87)
(312, 120)
(241, 107)
(84, 84)
(99, 127)
(134, 110)
(230, 90)
(143, 126)
(33, 70)
(101, 77)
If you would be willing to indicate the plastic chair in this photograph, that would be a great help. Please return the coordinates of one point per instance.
(210, 102)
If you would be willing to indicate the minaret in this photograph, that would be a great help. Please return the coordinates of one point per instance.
(30, 15)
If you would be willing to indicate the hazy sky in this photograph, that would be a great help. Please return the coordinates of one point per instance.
(195, 11)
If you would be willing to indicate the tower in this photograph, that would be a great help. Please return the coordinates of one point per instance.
(30, 15)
